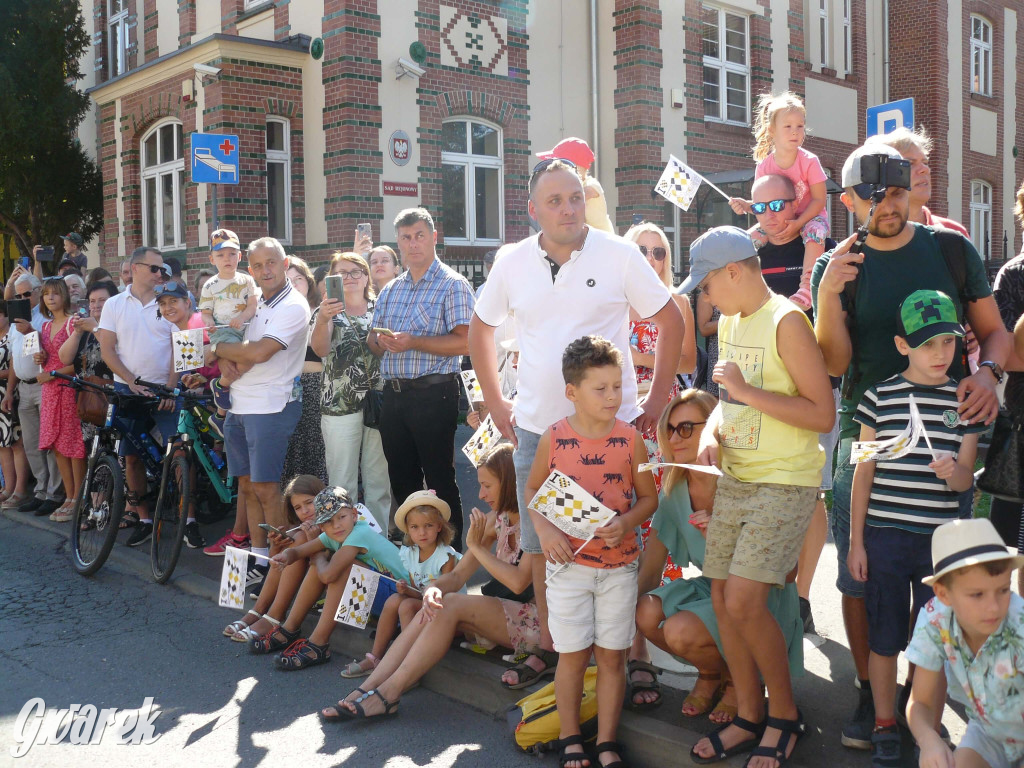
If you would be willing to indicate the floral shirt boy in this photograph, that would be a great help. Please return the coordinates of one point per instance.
(991, 685)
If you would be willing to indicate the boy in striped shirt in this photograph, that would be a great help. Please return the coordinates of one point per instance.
(896, 504)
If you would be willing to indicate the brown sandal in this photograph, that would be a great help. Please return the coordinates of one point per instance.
(701, 704)
(725, 713)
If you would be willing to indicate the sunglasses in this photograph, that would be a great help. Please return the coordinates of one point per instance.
(543, 165)
(52, 279)
(25, 295)
(156, 270)
(684, 428)
(658, 254)
(703, 287)
(775, 206)
(171, 285)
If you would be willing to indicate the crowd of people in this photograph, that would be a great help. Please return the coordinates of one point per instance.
(818, 356)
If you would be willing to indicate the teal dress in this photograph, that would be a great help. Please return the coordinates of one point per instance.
(686, 546)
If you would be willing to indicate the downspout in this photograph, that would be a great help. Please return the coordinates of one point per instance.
(885, 49)
(594, 124)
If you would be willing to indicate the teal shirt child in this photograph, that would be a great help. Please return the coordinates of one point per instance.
(375, 551)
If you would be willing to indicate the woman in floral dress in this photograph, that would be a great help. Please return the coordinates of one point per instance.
(59, 425)
(12, 451)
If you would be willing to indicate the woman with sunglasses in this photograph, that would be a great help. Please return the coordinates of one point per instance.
(678, 617)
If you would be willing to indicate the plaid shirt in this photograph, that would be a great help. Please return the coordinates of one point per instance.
(441, 300)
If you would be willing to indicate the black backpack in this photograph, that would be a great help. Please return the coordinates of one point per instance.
(954, 253)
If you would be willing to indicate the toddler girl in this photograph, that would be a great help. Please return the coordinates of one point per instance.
(779, 130)
(426, 554)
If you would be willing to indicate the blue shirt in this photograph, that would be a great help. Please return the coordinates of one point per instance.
(376, 552)
(434, 305)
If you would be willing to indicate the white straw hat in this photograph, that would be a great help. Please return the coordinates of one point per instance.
(968, 542)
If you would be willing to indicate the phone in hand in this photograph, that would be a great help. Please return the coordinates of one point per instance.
(25, 262)
(271, 529)
(334, 287)
(364, 230)
(45, 253)
(383, 331)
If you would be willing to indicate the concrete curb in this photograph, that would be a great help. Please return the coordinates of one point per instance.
(650, 741)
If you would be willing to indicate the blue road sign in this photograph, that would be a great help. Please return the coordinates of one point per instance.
(214, 158)
(888, 117)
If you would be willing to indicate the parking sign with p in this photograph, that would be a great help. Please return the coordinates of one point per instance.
(886, 118)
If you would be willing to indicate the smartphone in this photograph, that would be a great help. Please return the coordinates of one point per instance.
(19, 309)
(45, 253)
(25, 262)
(83, 311)
(334, 287)
(271, 529)
(384, 331)
(364, 230)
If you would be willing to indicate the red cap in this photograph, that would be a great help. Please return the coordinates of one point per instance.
(573, 149)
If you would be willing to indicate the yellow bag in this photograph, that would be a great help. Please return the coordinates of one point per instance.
(534, 719)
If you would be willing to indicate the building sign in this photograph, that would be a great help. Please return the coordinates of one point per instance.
(399, 147)
(886, 118)
(214, 158)
(401, 188)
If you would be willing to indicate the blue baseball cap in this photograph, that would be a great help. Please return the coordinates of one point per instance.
(713, 250)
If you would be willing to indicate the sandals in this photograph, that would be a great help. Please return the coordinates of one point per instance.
(238, 626)
(527, 675)
(15, 501)
(390, 707)
(128, 520)
(701, 704)
(721, 708)
(269, 642)
(790, 729)
(295, 655)
(63, 513)
(721, 753)
(574, 757)
(611, 746)
(247, 634)
(634, 687)
(355, 668)
(340, 713)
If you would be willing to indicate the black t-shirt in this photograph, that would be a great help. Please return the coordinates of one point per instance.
(782, 265)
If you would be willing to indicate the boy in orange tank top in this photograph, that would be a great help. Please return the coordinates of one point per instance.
(592, 600)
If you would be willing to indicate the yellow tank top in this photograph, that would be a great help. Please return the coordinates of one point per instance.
(597, 207)
(757, 448)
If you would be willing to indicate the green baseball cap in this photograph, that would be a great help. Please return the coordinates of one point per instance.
(925, 315)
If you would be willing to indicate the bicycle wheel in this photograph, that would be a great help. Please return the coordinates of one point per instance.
(98, 511)
(170, 517)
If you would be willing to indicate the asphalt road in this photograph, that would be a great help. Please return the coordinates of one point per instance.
(115, 639)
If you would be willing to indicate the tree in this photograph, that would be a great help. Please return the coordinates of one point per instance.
(48, 184)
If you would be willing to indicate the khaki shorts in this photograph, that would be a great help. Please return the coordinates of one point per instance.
(757, 530)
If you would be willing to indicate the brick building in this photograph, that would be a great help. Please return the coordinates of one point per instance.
(338, 124)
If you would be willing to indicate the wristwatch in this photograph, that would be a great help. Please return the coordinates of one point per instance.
(993, 366)
(213, 348)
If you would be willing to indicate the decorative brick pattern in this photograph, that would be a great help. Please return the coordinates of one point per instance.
(474, 42)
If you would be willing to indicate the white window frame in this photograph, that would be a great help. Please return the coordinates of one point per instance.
(118, 59)
(725, 67)
(981, 217)
(847, 36)
(471, 162)
(282, 157)
(252, 4)
(823, 33)
(158, 170)
(981, 48)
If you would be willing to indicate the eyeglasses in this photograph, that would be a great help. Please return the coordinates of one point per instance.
(170, 285)
(354, 274)
(543, 165)
(156, 270)
(703, 287)
(25, 295)
(775, 206)
(684, 428)
(658, 254)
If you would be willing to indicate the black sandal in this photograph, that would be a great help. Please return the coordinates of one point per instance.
(633, 687)
(295, 655)
(721, 753)
(128, 520)
(573, 757)
(340, 713)
(390, 707)
(268, 642)
(611, 746)
(527, 675)
(790, 729)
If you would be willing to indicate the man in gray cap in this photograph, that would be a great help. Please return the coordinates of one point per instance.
(855, 328)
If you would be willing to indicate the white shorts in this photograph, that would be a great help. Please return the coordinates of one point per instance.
(592, 606)
(991, 750)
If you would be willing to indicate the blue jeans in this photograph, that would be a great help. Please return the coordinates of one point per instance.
(523, 461)
(839, 520)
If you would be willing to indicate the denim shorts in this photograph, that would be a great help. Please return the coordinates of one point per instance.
(385, 589)
(256, 443)
(897, 561)
(839, 520)
(828, 442)
(523, 461)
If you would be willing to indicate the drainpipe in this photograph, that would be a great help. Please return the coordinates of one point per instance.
(594, 124)
(885, 54)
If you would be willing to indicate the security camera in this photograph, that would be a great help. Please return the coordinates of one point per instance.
(206, 69)
(407, 68)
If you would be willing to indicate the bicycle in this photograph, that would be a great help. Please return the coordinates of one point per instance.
(192, 445)
(99, 503)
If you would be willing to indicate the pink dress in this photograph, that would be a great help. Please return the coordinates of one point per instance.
(59, 426)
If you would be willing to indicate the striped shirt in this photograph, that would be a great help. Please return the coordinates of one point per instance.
(905, 493)
(434, 305)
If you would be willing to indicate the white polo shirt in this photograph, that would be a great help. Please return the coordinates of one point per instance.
(143, 337)
(591, 294)
(268, 387)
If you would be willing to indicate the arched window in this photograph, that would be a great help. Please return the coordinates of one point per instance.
(472, 183)
(163, 175)
(279, 180)
(981, 56)
(981, 217)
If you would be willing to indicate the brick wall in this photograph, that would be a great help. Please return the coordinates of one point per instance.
(186, 21)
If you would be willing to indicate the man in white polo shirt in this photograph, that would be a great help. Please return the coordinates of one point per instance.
(568, 281)
(266, 400)
(136, 344)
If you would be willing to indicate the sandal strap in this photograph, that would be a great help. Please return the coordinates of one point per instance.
(797, 726)
(610, 746)
(636, 665)
(741, 722)
(255, 613)
(571, 740)
(271, 619)
(709, 676)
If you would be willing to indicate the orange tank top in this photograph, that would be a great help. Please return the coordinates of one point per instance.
(604, 468)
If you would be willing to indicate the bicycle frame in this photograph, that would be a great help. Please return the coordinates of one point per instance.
(189, 434)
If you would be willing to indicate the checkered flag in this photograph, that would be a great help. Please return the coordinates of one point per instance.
(473, 392)
(188, 349)
(574, 511)
(357, 599)
(678, 183)
(486, 437)
(232, 578)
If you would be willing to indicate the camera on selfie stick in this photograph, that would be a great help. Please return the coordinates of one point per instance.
(877, 174)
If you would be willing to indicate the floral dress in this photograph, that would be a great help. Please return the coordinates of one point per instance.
(59, 425)
(10, 430)
(521, 619)
(306, 454)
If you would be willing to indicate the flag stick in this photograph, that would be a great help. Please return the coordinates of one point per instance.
(562, 567)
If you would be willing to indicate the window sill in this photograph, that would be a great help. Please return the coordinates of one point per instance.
(255, 10)
(462, 242)
(988, 97)
(727, 123)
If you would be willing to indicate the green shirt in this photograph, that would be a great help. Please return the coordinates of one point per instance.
(350, 368)
(886, 279)
(375, 551)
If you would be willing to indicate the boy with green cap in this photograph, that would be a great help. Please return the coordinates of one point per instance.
(897, 503)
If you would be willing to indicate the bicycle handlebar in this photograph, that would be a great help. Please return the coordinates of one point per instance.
(81, 383)
(160, 389)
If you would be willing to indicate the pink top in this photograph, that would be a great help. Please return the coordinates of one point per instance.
(207, 371)
(804, 173)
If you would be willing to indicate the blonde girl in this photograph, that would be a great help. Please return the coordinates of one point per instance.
(280, 586)
(426, 554)
(780, 130)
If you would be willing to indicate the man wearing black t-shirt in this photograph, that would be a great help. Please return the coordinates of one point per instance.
(781, 266)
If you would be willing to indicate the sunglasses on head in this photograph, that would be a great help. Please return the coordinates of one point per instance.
(170, 285)
(52, 279)
(151, 267)
(775, 206)
(684, 428)
(543, 165)
(658, 254)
